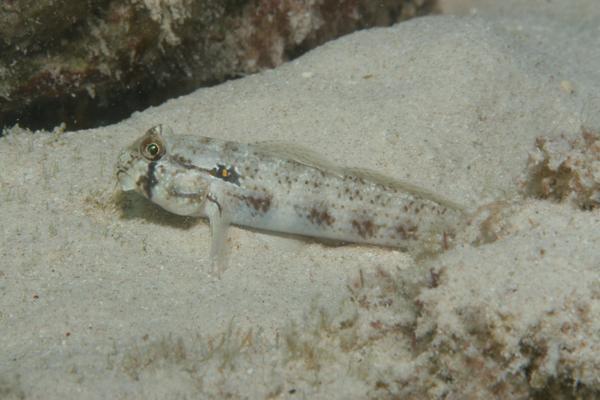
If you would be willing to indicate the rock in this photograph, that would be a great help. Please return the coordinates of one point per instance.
(88, 63)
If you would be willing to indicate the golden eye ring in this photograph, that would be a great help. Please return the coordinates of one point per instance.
(152, 149)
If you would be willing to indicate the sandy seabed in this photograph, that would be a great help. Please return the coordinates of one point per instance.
(104, 295)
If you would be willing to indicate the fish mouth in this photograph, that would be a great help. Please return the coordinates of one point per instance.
(125, 180)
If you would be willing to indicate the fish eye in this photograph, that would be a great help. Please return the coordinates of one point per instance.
(152, 149)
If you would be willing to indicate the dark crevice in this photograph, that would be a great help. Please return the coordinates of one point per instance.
(81, 111)
(78, 92)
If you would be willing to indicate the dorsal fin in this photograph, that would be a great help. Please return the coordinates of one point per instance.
(403, 186)
(312, 159)
(300, 154)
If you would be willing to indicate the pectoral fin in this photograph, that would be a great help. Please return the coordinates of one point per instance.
(219, 222)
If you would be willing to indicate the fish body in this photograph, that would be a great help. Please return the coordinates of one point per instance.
(283, 188)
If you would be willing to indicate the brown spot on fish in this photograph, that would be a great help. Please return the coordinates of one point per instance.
(320, 217)
(447, 238)
(366, 228)
(262, 204)
(407, 232)
(183, 161)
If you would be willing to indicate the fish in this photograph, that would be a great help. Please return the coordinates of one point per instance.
(283, 188)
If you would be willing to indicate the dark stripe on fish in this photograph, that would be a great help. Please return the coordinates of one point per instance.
(151, 180)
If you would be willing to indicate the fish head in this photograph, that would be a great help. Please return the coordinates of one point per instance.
(151, 167)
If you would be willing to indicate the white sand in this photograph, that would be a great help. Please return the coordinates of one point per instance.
(105, 295)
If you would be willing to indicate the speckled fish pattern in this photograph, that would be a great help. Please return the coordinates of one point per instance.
(284, 188)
